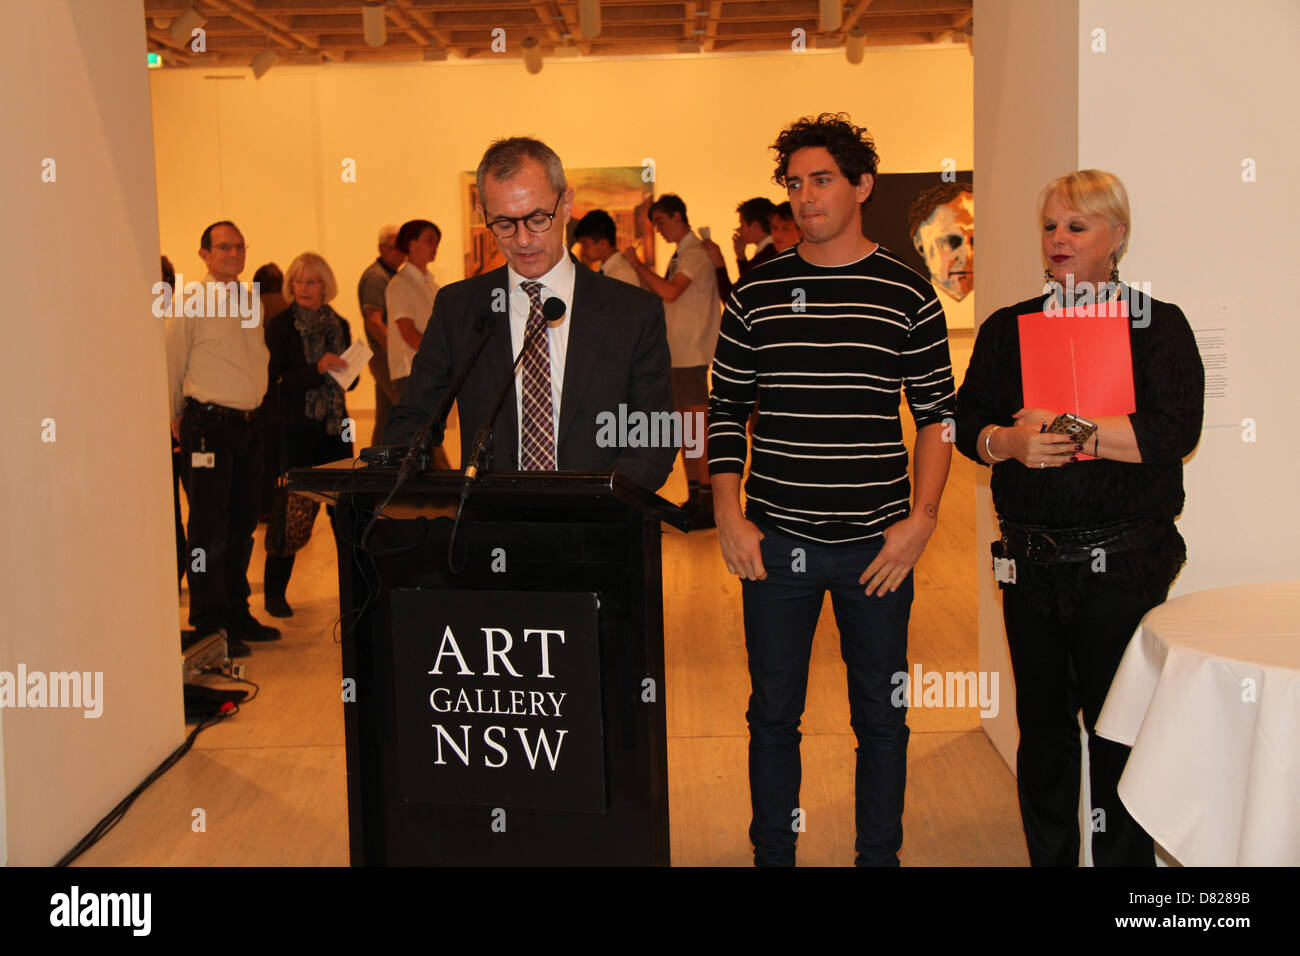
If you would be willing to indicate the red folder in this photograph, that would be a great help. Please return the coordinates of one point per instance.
(1078, 360)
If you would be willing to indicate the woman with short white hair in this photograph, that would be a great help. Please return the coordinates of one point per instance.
(307, 409)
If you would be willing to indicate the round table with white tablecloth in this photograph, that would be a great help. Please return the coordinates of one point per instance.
(1208, 697)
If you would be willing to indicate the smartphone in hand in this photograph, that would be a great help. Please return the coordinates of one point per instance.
(1080, 429)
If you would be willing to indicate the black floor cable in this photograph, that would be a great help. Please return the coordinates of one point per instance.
(114, 816)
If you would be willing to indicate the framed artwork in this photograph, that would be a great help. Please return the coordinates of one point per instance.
(619, 190)
(929, 223)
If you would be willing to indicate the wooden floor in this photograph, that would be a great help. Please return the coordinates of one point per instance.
(271, 780)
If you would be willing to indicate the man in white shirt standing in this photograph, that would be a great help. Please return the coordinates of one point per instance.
(409, 296)
(598, 238)
(690, 293)
(217, 375)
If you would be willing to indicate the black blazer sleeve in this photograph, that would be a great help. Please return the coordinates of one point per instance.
(1170, 383)
(979, 400)
(347, 342)
(649, 389)
(431, 371)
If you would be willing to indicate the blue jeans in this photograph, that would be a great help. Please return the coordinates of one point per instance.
(780, 619)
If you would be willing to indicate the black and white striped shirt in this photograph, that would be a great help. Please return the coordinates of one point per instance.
(824, 352)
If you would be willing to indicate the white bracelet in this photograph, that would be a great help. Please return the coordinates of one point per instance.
(988, 450)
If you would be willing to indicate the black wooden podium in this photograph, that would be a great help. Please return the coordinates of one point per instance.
(504, 704)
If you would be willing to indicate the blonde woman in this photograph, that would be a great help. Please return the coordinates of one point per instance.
(306, 406)
(1069, 617)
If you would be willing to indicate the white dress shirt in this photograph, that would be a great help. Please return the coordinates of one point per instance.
(558, 283)
(617, 267)
(694, 317)
(409, 295)
(215, 359)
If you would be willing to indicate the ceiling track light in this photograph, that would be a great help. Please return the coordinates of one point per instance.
(830, 14)
(374, 28)
(263, 62)
(589, 18)
(183, 28)
(855, 45)
(532, 54)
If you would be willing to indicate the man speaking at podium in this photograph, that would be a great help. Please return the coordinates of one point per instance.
(608, 348)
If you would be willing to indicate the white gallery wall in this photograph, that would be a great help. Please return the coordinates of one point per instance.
(1198, 116)
(88, 574)
(1192, 106)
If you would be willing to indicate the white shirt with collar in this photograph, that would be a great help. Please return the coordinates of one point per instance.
(216, 359)
(766, 241)
(409, 295)
(694, 317)
(558, 283)
(617, 267)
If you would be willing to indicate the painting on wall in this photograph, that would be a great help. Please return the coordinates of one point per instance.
(929, 223)
(619, 190)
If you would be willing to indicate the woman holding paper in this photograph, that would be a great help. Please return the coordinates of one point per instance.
(306, 404)
(1087, 520)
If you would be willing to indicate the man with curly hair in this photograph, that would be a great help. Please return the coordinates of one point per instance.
(822, 338)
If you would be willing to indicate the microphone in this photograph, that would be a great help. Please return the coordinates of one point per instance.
(553, 310)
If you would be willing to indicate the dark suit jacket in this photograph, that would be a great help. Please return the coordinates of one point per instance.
(617, 355)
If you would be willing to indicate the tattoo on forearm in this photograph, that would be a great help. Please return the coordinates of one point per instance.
(930, 511)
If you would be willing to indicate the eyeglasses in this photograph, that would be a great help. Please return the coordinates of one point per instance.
(504, 227)
(224, 247)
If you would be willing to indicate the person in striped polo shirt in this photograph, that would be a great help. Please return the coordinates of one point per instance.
(821, 338)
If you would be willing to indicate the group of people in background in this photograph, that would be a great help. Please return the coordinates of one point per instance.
(250, 399)
(694, 288)
(809, 348)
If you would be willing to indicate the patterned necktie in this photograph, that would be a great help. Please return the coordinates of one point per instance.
(537, 430)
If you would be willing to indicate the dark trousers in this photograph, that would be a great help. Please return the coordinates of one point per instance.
(387, 394)
(1061, 664)
(223, 513)
(383, 405)
(780, 619)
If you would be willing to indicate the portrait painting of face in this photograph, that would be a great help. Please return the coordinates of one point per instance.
(946, 240)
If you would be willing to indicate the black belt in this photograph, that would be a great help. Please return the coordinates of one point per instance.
(1042, 545)
(223, 410)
